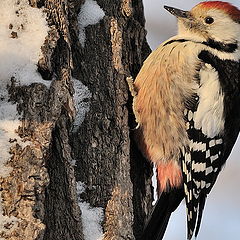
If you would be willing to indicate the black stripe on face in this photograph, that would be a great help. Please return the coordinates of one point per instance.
(230, 47)
(176, 40)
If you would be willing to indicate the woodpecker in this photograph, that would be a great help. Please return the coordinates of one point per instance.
(187, 105)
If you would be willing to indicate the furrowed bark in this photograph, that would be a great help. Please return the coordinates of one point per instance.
(116, 175)
(41, 189)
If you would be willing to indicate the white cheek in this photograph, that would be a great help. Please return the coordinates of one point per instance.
(222, 33)
(209, 114)
(224, 29)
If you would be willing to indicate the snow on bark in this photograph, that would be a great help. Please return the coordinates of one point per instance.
(154, 185)
(22, 33)
(81, 101)
(91, 217)
(90, 14)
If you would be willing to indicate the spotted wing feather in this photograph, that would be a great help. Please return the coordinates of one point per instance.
(200, 164)
(205, 157)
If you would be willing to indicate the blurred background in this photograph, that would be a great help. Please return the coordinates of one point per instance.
(221, 218)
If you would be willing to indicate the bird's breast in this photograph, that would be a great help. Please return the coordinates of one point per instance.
(166, 80)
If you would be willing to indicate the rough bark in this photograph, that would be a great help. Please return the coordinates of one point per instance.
(40, 190)
(116, 175)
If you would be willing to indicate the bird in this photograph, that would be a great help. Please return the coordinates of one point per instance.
(187, 106)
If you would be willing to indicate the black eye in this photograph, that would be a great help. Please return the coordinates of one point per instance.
(209, 20)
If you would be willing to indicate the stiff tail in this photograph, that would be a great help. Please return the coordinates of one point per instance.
(158, 220)
(194, 215)
(201, 207)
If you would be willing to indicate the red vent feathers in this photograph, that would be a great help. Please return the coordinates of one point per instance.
(231, 10)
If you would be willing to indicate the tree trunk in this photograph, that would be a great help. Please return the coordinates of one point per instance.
(38, 197)
(40, 192)
(116, 175)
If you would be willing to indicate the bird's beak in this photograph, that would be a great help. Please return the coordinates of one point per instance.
(178, 12)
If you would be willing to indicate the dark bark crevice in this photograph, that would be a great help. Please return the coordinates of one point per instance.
(62, 215)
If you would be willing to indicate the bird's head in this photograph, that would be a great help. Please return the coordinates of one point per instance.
(211, 20)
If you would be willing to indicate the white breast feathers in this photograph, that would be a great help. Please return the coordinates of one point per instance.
(209, 114)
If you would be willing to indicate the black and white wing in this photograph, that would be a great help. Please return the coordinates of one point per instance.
(212, 119)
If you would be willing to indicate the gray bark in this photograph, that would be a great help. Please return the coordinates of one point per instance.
(116, 175)
(41, 190)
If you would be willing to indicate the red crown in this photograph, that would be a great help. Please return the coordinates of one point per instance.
(228, 8)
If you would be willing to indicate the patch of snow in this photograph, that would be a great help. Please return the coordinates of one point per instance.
(22, 33)
(74, 163)
(81, 101)
(154, 184)
(91, 217)
(9, 123)
(91, 13)
(7, 132)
